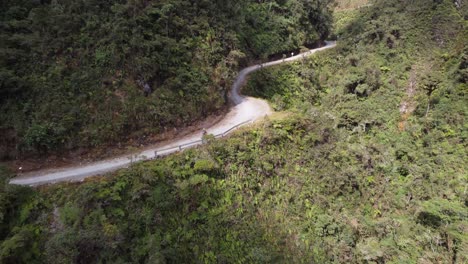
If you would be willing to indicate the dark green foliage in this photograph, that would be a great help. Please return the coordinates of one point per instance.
(20, 240)
(349, 176)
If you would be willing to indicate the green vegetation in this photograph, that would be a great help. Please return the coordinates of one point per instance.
(69, 70)
(369, 166)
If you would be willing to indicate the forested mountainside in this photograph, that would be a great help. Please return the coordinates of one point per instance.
(364, 163)
(73, 73)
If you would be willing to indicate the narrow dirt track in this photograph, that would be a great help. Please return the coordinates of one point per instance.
(245, 109)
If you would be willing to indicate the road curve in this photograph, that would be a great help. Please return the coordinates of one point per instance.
(245, 109)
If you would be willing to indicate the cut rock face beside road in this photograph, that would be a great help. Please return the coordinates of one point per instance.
(245, 109)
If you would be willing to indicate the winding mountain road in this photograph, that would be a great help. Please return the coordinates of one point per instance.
(245, 109)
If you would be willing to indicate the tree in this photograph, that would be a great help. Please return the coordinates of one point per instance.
(431, 83)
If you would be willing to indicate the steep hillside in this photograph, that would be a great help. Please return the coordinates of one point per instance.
(366, 164)
(85, 73)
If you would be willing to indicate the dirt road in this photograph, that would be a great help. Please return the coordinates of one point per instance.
(245, 109)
